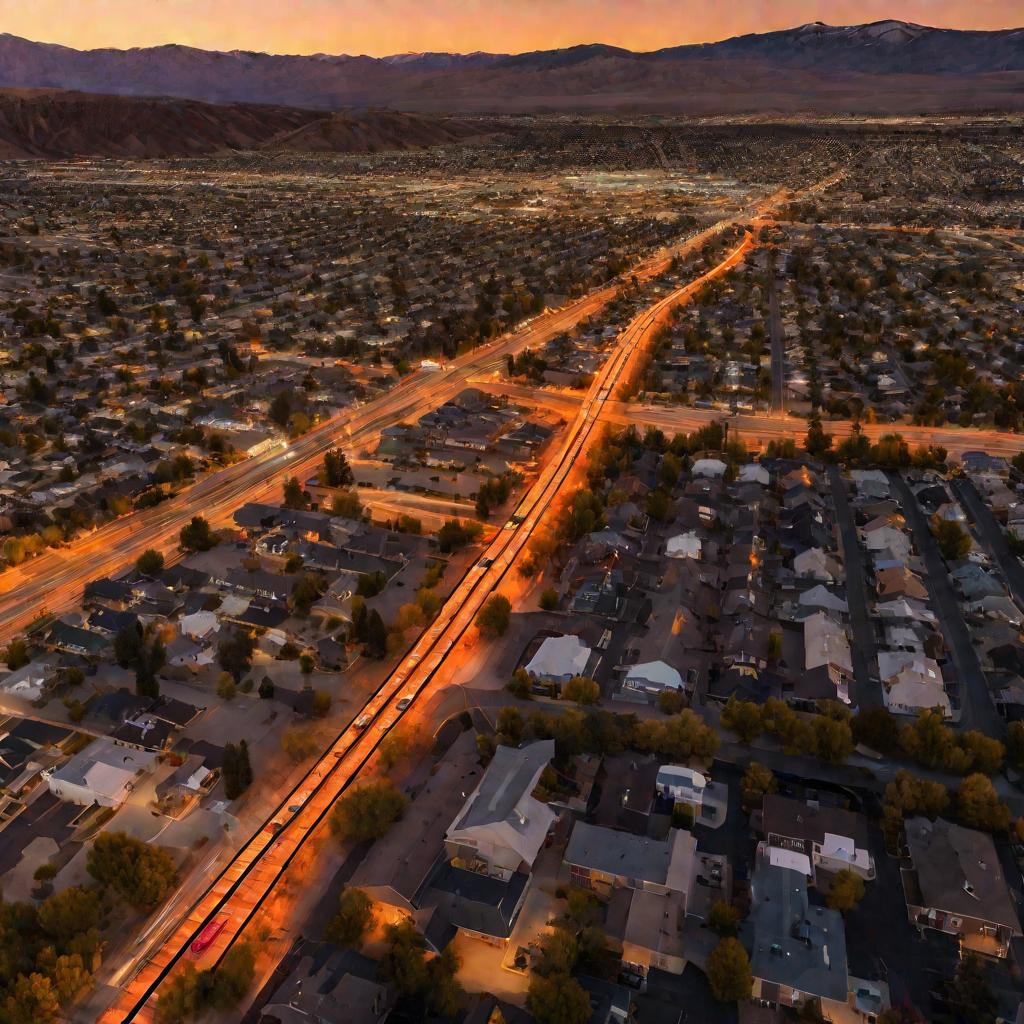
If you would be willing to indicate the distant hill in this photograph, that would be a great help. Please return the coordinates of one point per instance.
(887, 66)
(51, 123)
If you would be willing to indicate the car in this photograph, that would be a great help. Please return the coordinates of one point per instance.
(274, 827)
(362, 721)
(405, 702)
(485, 563)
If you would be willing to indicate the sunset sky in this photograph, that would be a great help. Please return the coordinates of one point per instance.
(381, 27)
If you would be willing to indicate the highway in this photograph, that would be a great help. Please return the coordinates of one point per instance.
(757, 429)
(240, 890)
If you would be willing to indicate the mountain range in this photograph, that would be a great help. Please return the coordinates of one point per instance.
(888, 66)
(48, 123)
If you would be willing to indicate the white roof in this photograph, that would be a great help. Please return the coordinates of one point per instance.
(754, 473)
(656, 674)
(822, 597)
(789, 859)
(709, 467)
(685, 545)
(560, 656)
(844, 848)
(199, 624)
(678, 775)
(913, 694)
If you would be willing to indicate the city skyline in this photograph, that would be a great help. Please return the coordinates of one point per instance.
(399, 26)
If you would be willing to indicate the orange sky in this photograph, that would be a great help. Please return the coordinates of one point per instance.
(395, 26)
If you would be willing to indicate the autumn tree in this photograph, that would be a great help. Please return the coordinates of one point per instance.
(367, 812)
(728, 971)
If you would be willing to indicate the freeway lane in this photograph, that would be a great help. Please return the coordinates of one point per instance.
(242, 888)
(54, 582)
(760, 428)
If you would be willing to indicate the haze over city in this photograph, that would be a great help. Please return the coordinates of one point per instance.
(511, 513)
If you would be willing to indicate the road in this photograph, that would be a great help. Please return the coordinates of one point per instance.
(243, 887)
(864, 653)
(976, 708)
(992, 535)
(760, 428)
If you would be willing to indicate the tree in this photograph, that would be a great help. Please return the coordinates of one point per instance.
(237, 770)
(549, 599)
(294, 495)
(141, 874)
(728, 971)
(912, 796)
(1015, 741)
(582, 691)
(953, 540)
(559, 951)
(723, 919)
(520, 685)
(557, 999)
(232, 977)
(986, 753)
(367, 812)
(969, 993)
(671, 702)
(281, 409)
(494, 618)
(353, 919)
(128, 644)
(876, 728)
(846, 891)
(403, 962)
(509, 725)
(299, 743)
(757, 782)
(151, 659)
(346, 504)
(69, 913)
(335, 471)
(444, 994)
(376, 635)
(979, 806)
(197, 535)
(16, 655)
(32, 1000)
(931, 743)
(226, 687)
(71, 978)
(234, 653)
(150, 562)
(833, 740)
(306, 591)
(817, 443)
(680, 737)
(744, 718)
(180, 999)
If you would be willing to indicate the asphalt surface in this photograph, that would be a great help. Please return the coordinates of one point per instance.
(992, 535)
(864, 653)
(976, 708)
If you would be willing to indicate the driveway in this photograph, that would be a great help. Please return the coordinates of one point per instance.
(867, 690)
(977, 710)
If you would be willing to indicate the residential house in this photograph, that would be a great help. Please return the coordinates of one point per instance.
(832, 838)
(955, 884)
(502, 826)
